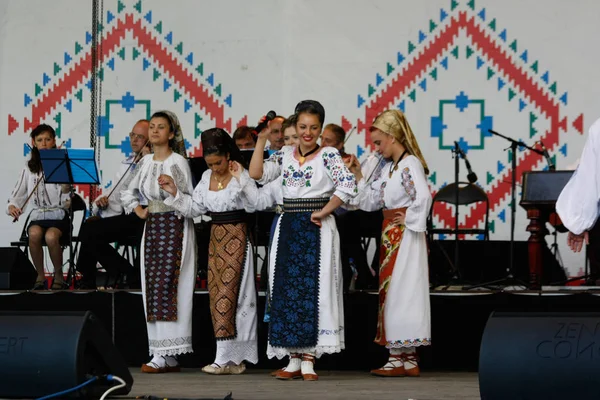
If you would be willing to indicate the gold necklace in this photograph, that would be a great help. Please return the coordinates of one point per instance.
(302, 157)
(219, 182)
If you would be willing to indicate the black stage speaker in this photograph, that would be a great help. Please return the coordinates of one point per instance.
(16, 271)
(540, 356)
(42, 353)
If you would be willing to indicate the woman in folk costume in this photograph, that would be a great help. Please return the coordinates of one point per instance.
(231, 285)
(168, 245)
(307, 318)
(402, 192)
(49, 204)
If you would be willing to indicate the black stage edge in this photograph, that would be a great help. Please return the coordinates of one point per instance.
(458, 321)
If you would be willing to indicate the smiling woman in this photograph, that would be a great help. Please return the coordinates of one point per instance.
(305, 287)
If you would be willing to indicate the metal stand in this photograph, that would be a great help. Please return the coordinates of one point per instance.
(510, 279)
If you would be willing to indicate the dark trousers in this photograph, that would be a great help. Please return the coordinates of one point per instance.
(96, 238)
(352, 226)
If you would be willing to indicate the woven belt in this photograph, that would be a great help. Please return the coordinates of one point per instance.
(157, 207)
(228, 217)
(304, 205)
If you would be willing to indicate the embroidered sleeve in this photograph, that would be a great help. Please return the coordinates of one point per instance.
(343, 179)
(19, 193)
(187, 203)
(408, 184)
(272, 167)
(130, 195)
(415, 185)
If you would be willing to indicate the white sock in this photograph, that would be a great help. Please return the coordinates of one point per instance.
(412, 353)
(307, 367)
(171, 361)
(293, 366)
(157, 362)
(394, 361)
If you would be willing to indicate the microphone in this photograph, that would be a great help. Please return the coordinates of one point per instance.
(270, 115)
(471, 176)
(551, 165)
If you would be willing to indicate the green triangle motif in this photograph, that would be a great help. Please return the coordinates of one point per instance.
(200, 69)
(492, 24)
(197, 131)
(101, 74)
(411, 47)
(138, 6)
(79, 95)
(413, 95)
(78, 48)
(38, 89)
(553, 158)
(433, 178)
(532, 118)
(371, 90)
(534, 67)
(218, 89)
(120, 6)
(121, 53)
(156, 74)
(493, 227)
(179, 48)
(553, 88)
(390, 69)
(469, 51)
(136, 53)
(433, 74)
(455, 52)
(532, 132)
(158, 27)
(511, 94)
(432, 26)
(513, 45)
(509, 154)
(453, 5)
(489, 178)
(176, 95)
(58, 120)
(100, 28)
(471, 4)
(490, 73)
(56, 69)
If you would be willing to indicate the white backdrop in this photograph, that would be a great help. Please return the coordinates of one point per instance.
(523, 68)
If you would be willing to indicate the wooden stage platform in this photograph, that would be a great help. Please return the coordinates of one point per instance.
(458, 322)
(257, 384)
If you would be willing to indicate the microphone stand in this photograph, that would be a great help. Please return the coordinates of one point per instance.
(514, 146)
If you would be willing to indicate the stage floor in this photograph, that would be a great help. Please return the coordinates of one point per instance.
(258, 384)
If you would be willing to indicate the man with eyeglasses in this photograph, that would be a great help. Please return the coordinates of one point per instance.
(109, 223)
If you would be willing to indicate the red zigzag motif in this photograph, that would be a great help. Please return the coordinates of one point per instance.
(82, 71)
(432, 53)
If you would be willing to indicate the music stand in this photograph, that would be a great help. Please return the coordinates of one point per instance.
(70, 166)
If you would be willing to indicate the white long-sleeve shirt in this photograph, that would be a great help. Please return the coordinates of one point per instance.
(578, 203)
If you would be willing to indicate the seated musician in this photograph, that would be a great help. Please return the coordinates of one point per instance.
(578, 203)
(349, 217)
(110, 224)
(49, 219)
